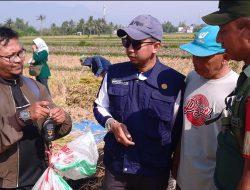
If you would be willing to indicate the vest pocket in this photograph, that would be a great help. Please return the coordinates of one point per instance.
(161, 107)
(117, 98)
(160, 112)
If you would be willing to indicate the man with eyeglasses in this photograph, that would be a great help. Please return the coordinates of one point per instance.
(25, 105)
(138, 103)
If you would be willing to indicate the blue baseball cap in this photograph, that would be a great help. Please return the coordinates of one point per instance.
(204, 43)
(142, 27)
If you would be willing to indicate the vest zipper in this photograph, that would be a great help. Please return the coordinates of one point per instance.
(17, 143)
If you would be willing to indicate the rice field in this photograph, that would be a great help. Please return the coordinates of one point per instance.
(106, 45)
(74, 87)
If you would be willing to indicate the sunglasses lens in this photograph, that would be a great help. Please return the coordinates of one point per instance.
(136, 44)
(125, 42)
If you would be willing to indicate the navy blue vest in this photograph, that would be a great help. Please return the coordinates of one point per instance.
(146, 108)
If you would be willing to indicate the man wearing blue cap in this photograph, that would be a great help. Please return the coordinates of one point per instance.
(233, 153)
(138, 103)
(206, 88)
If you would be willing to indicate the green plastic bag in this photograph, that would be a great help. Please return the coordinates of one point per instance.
(78, 158)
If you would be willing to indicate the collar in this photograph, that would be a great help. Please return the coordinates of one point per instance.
(134, 74)
(11, 82)
(141, 76)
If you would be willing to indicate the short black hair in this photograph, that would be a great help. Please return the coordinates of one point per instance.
(6, 34)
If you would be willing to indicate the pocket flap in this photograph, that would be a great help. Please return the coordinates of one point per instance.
(158, 96)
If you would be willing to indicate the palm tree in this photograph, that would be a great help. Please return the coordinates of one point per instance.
(90, 25)
(8, 22)
(81, 26)
(41, 18)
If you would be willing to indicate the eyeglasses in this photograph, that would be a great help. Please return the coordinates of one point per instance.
(13, 58)
(136, 44)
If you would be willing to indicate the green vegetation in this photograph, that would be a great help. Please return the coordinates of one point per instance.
(22, 27)
(88, 27)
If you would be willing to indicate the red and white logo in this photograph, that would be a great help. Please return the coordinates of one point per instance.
(197, 110)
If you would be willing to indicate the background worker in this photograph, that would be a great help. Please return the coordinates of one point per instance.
(98, 64)
(40, 58)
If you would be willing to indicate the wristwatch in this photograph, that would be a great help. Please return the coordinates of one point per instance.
(108, 124)
(24, 115)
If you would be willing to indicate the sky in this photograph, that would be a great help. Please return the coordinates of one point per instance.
(118, 12)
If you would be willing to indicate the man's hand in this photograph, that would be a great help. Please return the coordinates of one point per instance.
(38, 110)
(121, 133)
(58, 115)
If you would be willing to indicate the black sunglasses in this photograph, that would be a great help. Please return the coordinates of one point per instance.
(136, 44)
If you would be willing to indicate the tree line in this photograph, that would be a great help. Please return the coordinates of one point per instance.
(91, 26)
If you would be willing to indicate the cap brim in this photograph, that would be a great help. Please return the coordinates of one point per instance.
(200, 51)
(133, 33)
(218, 18)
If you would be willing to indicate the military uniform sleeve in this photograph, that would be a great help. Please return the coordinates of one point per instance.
(246, 145)
(64, 128)
(10, 131)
